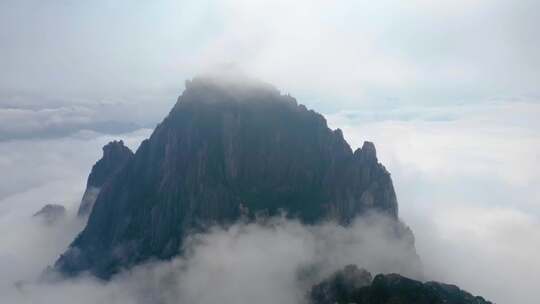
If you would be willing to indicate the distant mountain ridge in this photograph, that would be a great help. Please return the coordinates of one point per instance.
(226, 150)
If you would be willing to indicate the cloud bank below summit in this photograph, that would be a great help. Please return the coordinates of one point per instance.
(467, 179)
(466, 185)
(284, 255)
(277, 260)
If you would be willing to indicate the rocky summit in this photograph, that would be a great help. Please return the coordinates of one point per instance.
(226, 150)
(115, 156)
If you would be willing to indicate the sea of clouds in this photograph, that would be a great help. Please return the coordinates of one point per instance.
(466, 178)
(267, 261)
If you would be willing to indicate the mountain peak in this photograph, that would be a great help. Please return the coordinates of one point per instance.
(115, 156)
(115, 147)
(228, 149)
(367, 152)
(114, 153)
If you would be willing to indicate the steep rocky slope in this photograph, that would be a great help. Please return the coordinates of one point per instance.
(225, 150)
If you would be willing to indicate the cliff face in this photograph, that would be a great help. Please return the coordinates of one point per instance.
(115, 157)
(353, 285)
(226, 150)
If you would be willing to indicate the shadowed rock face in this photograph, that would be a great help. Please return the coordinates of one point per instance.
(115, 156)
(353, 285)
(226, 150)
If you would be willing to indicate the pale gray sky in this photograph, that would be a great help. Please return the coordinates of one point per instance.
(122, 63)
(336, 53)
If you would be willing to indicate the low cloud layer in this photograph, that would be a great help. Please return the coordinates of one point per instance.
(36, 173)
(467, 179)
(40, 118)
(271, 260)
(274, 260)
(467, 183)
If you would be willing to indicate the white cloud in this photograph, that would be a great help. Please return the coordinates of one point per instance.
(39, 172)
(266, 262)
(467, 180)
(38, 162)
(496, 140)
(65, 118)
(237, 264)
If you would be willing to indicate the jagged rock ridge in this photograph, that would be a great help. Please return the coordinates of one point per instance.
(354, 285)
(225, 150)
(115, 156)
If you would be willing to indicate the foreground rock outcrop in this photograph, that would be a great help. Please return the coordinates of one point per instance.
(353, 285)
(226, 150)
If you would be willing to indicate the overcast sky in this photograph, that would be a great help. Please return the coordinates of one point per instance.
(448, 91)
(336, 53)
